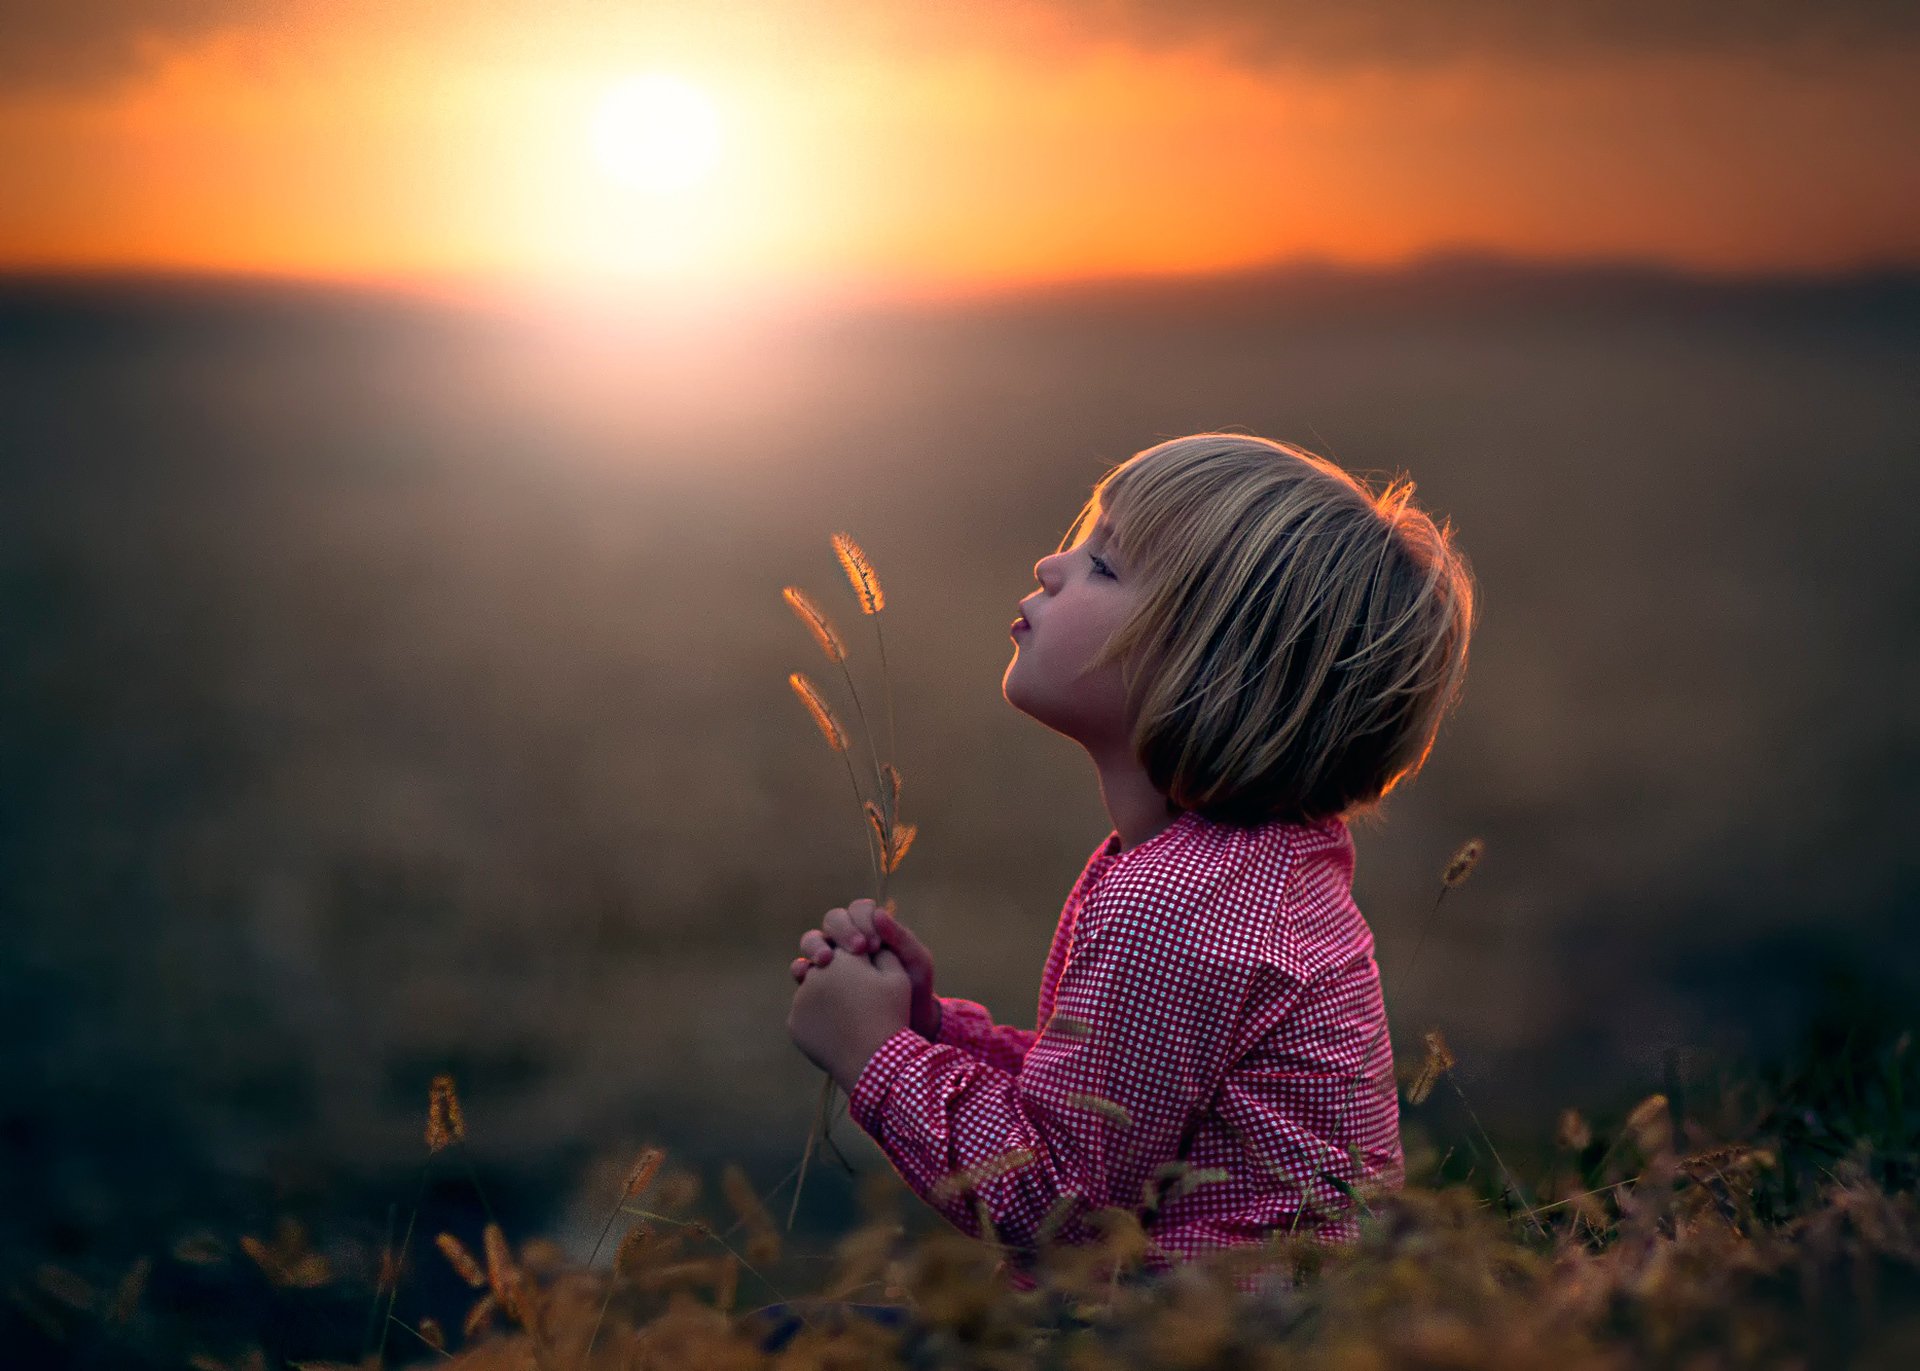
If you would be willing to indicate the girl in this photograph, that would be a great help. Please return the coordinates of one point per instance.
(1253, 647)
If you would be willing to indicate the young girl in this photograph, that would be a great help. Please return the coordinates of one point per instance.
(1253, 647)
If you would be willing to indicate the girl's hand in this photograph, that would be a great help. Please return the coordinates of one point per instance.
(864, 928)
(842, 1016)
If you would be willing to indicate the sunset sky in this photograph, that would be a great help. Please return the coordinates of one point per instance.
(932, 147)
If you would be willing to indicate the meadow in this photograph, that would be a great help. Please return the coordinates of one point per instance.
(400, 689)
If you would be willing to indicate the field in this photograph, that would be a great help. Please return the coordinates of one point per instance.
(398, 689)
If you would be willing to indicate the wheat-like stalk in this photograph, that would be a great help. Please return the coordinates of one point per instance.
(866, 586)
(461, 1260)
(1111, 1110)
(891, 839)
(1439, 1060)
(836, 736)
(445, 1123)
(816, 619)
(835, 648)
(967, 1178)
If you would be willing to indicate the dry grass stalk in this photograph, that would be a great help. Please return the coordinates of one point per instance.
(1651, 1124)
(1108, 1109)
(199, 1248)
(901, 839)
(68, 1287)
(480, 1315)
(890, 838)
(817, 622)
(126, 1295)
(965, 1179)
(1439, 1058)
(890, 792)
(1461, 865)
(630, 1257)
(1195, 1177)
(502, 1277)
(445, 1123)
(984, 1218)
(643, 1172)
(461, 1260)
(763, 1238)
(287, 1261)
(1057, 1216)
(860, 572)
(823, 716)
(1573, 1132)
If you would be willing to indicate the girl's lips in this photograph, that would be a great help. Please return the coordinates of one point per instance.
(1020, 625)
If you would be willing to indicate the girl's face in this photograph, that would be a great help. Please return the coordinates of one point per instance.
(1086, 595)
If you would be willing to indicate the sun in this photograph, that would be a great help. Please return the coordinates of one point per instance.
(657, 133)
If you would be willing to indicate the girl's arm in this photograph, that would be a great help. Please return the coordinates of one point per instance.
(967, 1025)
(1089, 1114)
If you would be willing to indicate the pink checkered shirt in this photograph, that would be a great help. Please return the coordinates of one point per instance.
(1216, 983)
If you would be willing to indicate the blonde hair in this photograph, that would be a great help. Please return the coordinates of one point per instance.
(1299, 638)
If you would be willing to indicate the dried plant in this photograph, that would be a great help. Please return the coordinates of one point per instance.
(888, 838)
(445, 1123)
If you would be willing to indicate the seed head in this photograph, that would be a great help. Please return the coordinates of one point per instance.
(480, 1315)
(1056, 1217)
(1439, 1059)
(967, 1178)
(903, 836)
(829, 726)
(634, 1248)
(747, 1205)
(501, 1275)
(461, 1260)
(866, 585)
(1462, 863)
(445, 1124)
(643, 1172)
(1651, 1124)
(1111, 1109)
(815, 618)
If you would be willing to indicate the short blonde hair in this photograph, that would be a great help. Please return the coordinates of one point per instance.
(1300, 637)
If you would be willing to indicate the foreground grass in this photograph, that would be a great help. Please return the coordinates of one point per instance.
(1775, 1227)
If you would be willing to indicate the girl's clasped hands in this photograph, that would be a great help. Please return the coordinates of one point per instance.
(845, 1007)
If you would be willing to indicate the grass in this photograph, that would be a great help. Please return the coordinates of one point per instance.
(1761, 1220)
(1773, 1226)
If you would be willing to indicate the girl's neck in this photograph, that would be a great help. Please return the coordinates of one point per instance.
(1137, 809)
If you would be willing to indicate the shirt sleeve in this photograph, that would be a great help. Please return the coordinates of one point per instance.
(1107, 1092)
(968, 1026)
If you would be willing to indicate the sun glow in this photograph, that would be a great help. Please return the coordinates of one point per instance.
(656, 133)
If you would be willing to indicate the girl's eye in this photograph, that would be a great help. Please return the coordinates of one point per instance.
(1099, 565)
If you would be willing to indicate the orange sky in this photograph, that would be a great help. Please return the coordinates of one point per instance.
(340, 140)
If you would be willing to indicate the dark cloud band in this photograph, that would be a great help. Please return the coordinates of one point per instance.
(96, 42)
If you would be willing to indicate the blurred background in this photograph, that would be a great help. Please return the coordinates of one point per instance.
(409, 418)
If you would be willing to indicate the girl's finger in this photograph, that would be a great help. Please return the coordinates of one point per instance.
(838, 928)
(904, 944)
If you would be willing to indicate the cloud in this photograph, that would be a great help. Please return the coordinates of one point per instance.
(71, 43)
(1419, 32)
(84, 43)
